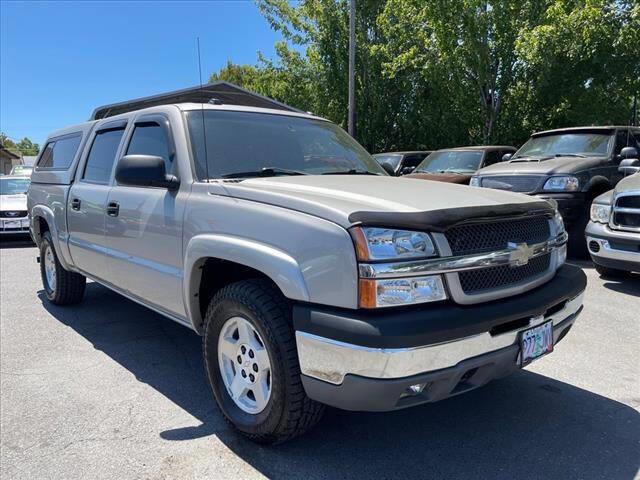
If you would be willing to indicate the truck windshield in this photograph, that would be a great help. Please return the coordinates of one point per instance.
(453, 161)
(566, 144)
(14, 186)
(243, 144)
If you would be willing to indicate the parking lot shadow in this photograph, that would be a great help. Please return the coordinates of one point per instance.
(629, 285)
(15, 241)
(527, 426)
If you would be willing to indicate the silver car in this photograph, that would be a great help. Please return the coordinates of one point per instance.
(313, 277)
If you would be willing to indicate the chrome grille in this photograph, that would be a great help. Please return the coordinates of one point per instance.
(513, 183)
(13, 214)
(473, 238)
(630, 201)
(626, 212)
(485, 237)
(476, 281)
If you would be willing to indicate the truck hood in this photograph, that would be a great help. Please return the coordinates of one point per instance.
(13, 202)
(629, 183)
(343, 199)
(542, 166)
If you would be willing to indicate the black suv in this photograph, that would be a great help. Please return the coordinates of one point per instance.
(401, 163)
(569, 165)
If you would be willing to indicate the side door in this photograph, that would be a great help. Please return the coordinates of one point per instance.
(144, 224)
(87, 201)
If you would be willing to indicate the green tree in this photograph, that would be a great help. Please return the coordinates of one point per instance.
(23, 147)
(27, 147)
(437, 73)
(7, 143)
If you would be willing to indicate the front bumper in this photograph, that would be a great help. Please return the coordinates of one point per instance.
(462, 347)
(613, 248)
(14, 225)
(572, 206)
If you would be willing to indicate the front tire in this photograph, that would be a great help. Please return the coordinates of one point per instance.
(252, 365)
(61, 286)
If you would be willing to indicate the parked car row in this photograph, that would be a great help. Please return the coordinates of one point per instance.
(571, 166)
(313, 276)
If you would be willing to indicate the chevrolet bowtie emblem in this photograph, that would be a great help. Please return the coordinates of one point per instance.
(520, 253)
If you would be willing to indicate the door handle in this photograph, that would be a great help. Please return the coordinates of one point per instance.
(113, 209)
(75, 204)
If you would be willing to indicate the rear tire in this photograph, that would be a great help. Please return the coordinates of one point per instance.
(284, 410)
(609, 272)
(61, 286)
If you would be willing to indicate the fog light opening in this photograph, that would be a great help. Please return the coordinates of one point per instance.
(594, 246)
(414, 390)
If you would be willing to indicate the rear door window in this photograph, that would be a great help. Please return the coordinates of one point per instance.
(59, 153)
(102, 155)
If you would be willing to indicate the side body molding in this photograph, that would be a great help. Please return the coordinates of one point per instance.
(276, 264)
(59, 238)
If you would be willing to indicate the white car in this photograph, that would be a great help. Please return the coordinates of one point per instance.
(14, 217)
(22, 170)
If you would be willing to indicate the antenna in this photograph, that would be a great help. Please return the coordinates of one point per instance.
(204, 125)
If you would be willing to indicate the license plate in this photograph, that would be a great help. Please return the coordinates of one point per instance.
(536, 342)
(12, 224)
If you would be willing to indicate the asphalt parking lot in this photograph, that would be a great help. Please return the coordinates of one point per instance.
(109, 389)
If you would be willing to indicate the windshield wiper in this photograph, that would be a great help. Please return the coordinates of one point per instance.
(569, 155)
(353, 171)
(265, 172)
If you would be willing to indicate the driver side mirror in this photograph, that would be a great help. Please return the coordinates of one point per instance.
(629, 166)
(145, 171)
(630, 163)
(506, 157)
(407, 170)
(388, 168)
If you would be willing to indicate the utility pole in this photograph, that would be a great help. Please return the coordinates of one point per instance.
(635, 111)
(352, 68)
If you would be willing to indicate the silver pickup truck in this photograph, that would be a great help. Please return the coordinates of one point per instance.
(313, 277)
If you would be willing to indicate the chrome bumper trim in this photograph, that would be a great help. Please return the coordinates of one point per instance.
(615, 209)
(330, 360)
(517, 255)
(611, 253)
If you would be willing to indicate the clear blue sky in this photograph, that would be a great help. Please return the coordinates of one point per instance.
(59, 60)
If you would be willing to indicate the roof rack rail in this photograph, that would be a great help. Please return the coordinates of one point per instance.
(220, 92)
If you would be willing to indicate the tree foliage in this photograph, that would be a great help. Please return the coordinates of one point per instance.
(439, 73)
(23, 147)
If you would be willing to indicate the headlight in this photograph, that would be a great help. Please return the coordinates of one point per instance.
(389, 244)
(600, 213)
(559, 223)
(401, 291)
(562, 184)
(474, 182)
(559, 228)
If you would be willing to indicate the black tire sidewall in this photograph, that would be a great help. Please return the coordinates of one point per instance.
(266, 421)
(48, 243)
